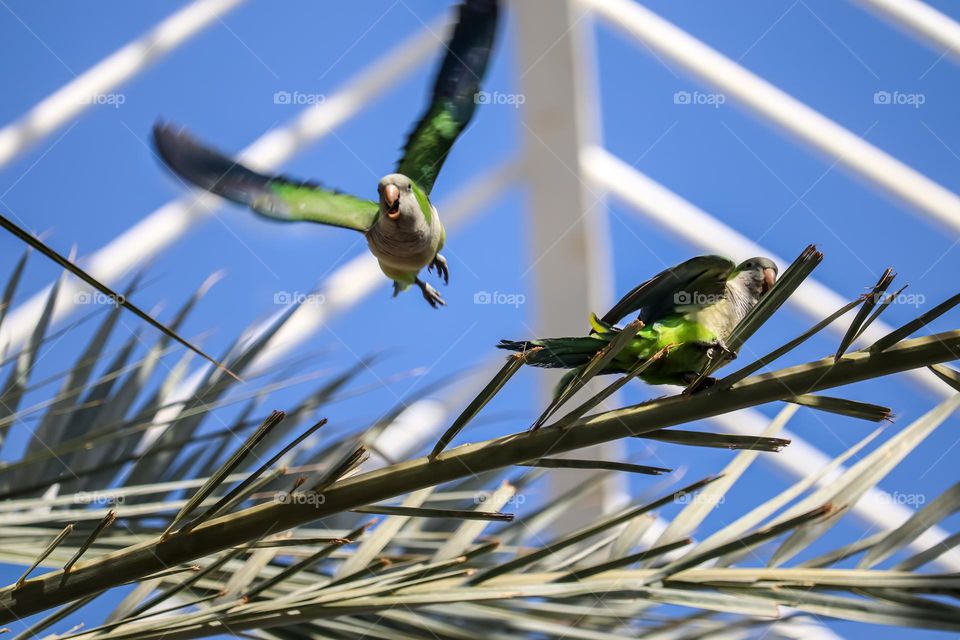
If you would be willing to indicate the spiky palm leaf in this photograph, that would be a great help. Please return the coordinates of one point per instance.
(234, 545)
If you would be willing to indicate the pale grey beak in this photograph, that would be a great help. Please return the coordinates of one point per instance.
(391, 197)
(769, 277)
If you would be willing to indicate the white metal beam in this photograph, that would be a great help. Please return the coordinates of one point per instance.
(83, 91)
(571, 258)
(775, 105)
(938, 30)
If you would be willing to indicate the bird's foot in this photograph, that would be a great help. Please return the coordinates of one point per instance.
(397, 288)
(719, 349)
(716, 349)
(430, 294)
(440, 263)
(727, 354)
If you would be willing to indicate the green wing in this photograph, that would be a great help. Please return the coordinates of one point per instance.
(454, 93)
(683, 284)
(275, 197)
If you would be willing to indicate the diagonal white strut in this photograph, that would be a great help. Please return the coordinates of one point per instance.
(70, 100)
(936, 29)
(775, 105)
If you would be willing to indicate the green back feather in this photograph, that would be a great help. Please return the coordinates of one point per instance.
(700, 278)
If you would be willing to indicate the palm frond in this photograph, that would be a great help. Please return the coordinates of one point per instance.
(285, 545)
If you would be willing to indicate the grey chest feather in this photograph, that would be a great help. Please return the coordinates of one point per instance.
(404, 247)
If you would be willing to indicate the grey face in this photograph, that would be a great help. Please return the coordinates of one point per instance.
(761, 274)
(398, 204)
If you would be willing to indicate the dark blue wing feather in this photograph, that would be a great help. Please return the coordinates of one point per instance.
(454, 93)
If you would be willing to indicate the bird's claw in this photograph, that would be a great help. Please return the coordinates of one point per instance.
(725, 351)
(441, 265)
(716, 349)
(431, 295)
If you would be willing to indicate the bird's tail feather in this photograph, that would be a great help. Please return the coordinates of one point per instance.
(562, 353)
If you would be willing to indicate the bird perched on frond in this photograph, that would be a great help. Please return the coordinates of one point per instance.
(402, 229)
(687, 311)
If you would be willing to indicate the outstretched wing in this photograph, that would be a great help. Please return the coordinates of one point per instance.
(275, 197)
(685, 283)
(454, 93)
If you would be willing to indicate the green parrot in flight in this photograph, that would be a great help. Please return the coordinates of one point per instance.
(403, 229)
(689, 310)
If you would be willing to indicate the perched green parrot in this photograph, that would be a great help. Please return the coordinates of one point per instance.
(403, 229)
(691, 307)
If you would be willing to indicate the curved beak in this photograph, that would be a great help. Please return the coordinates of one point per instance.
(769, 278)
(391, 197)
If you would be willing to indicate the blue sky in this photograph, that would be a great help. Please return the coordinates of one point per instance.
(96, 177)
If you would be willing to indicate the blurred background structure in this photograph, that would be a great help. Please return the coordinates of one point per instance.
(739, 127)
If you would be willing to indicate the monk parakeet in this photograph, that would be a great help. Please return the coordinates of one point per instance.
(692, 307)
(402, 228)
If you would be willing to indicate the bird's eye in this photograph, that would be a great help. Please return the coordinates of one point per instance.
(409, 187)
